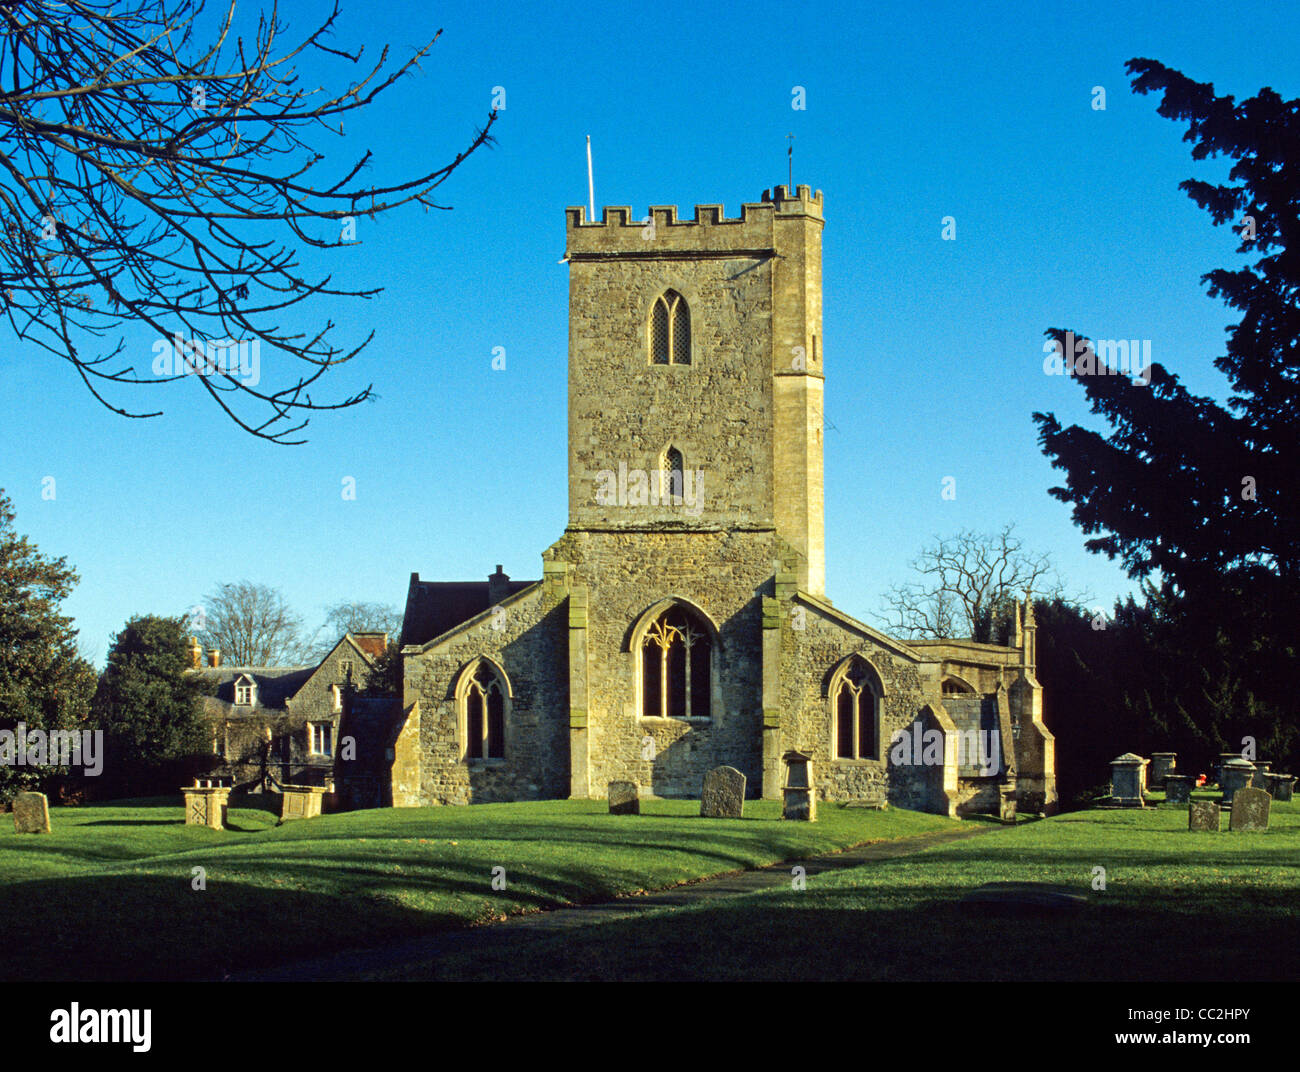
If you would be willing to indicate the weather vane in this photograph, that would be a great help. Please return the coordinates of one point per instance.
(789, 156)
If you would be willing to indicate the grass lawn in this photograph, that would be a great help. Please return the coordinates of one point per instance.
(1176, 906)
(109, 894)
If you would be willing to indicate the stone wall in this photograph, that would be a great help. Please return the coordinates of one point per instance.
(527, 642)
(625, 575)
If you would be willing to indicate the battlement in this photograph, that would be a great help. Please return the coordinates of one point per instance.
(662, 229)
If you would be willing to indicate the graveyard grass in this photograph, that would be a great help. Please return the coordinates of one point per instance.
(1176, 906)
(109, 894)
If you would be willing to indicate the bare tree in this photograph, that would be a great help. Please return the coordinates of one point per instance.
(145, 180)
(968, 582)
(252, 625)
(354, 617)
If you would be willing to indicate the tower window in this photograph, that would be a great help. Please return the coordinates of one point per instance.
(673, 470)
(670, 330)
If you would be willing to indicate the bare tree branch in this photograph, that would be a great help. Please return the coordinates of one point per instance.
(143, 181)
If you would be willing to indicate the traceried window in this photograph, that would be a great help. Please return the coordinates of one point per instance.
(855, 714)
(322, 738)
(485, 715)
(670, 330)
(676, 667)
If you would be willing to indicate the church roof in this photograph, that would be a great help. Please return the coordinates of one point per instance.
(434, 607)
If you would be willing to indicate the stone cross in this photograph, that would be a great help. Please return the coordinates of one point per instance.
(1250, 809)
(31, 814)
(723, 795)
(624, 798)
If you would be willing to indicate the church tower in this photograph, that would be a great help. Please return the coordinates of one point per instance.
(695, 372)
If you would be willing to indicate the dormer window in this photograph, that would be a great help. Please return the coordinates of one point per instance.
(245, 692)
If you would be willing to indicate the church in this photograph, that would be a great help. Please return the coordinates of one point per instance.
(681, 622)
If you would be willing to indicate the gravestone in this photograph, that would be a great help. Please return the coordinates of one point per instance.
(300, 802)
(1262, 774)
(1162, 766)
(798, 796)
(1237, 774)
(1178, 789)
(723, 795)
(1203, 815)
(1126, 780)
(624, 799)
(206, 805)
(1250, 809)
(31, 814)
(1224, 759)
(1281, 785)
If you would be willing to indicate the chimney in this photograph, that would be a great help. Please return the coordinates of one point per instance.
(214, 656)
(196, 653)
(498, 587)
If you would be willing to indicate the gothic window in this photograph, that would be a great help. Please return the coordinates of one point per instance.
(676, 667)
(485, 714)
(670, 330)
(672, 468)
(855, 703)
(954, 687)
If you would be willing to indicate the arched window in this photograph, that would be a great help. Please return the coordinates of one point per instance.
(670, 330)
(676, 667)
(953, 686)
(855, 704)
(484, 700)
(672, 468)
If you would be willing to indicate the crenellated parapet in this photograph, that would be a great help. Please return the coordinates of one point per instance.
(663, 232)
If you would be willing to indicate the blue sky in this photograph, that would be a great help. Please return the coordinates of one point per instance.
(1065, 216)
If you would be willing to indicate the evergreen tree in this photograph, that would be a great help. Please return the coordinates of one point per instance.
(150, 709)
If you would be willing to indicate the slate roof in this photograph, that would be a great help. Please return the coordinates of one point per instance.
(275, 684)
(433, 607)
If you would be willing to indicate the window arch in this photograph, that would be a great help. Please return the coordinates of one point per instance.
(855, 711)
(677, 666)
(672, 466)
(670, 330)
(952, 685)
(484, 699)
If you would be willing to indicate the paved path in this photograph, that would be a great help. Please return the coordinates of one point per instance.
(418, 951)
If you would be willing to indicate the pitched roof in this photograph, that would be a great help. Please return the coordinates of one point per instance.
(275, 684)
(434, 607)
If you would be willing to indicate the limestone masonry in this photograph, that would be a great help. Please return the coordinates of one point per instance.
(681, 622)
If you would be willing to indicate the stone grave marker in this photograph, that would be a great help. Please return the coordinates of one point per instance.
(624, 799)
(1250, 809)
(1203, 815)
(31, 813)
(1236, 774)
(1281, 785)
(723, 795)
(1178, 789)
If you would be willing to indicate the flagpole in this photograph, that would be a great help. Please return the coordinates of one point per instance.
(591, 186)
